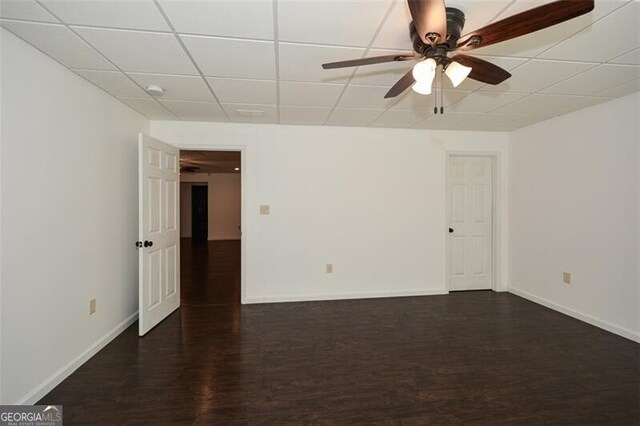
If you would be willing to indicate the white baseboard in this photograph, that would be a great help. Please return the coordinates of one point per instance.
(56, 378)
(605, 325)
(320, 297)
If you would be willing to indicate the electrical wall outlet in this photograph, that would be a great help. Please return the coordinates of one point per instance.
(566, 277)
(265, 209)
(92, 306)
(329, 268)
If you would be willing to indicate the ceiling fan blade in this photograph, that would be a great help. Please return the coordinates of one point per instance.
(482, 70)
(430, 19)
(524, 23)
(401, 85)
(369, 61)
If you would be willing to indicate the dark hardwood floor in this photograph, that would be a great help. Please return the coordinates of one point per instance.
(209, 272)
(464, 358)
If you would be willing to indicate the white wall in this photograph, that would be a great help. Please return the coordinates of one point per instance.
(224, 206)
(185, 210)
(574, 207)
(65, 240)
(370, 201)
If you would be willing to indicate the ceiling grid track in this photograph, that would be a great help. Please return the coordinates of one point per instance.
(353, 73)
(276, 52)
(546, 95)
(106, 59)
(188, 53)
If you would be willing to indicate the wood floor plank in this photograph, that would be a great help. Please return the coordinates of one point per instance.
(464, 358)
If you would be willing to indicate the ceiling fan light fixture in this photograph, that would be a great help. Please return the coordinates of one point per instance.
(423, 73)
(425, 70)
(422, 87)
(456, 72)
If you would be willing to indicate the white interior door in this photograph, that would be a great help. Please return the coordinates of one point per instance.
(470, 215)
(159, 231)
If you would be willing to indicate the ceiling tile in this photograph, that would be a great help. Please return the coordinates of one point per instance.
(222, 57)
(622, 90)
(270, 113)
(447, 120)
(537, 74)
(365, 97)
(629, 58)
(500, 122)
(229, 90)
(595, 80)
(481, 102)
(138, 14)
(303, 115)
(546, 104)
(296, 93)
(531, 45)
(150, 108)
(394, 33)
(114, 82)
(249, 19)
(59, 43)
(353, 117)
(412, 101)
(303, 62)
(140, 51)
(196, 111)
(595, 43)
(401, 119)
(177, 87)
(343, 23)
(25, 9)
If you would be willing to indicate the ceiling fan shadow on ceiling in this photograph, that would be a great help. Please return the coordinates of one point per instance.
(436, 32)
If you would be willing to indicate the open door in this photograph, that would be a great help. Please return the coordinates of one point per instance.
(159, 231)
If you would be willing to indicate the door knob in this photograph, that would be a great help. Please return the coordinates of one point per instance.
(148, 243)
(451, 230)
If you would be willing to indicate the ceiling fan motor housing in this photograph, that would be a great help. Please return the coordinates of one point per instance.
(455, 24)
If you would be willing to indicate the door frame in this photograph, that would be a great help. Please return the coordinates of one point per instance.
(496, 219)
(242, 149)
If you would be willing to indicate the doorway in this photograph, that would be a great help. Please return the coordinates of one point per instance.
(471, 226)
(199, 212)
(210, 183)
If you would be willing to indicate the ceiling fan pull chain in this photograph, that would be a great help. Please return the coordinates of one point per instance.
(441, 92)
(435, 100)
(435, 93)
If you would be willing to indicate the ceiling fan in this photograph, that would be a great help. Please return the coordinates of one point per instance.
(435, 32)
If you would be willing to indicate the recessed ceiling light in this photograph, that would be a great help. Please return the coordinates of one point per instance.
(237, 169)
(155, 90)
(250, 112)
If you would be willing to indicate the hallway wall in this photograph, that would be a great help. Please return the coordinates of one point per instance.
(223, 204)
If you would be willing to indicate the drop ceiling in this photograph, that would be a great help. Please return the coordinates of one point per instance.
(216, 59)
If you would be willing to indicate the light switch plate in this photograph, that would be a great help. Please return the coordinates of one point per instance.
(329, 268)
(566, 277)
(265, 209)
(92, 306)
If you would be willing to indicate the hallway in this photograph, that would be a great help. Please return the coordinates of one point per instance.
(210, 272)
